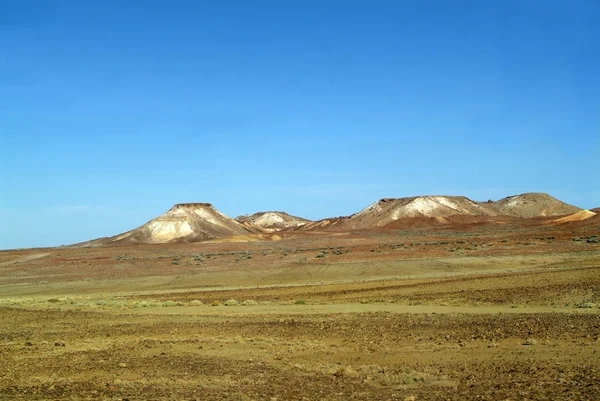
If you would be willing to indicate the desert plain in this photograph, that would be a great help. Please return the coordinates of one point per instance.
(506, 309)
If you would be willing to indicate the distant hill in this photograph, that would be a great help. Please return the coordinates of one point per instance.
(435, 210)
(193, 222)
(186, 222)
(273, 221)
(533, 205)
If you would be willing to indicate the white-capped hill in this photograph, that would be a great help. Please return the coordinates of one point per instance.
(388, 210)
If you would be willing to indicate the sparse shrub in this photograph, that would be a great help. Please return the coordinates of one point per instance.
(54, 300)
(576, 239)
(100, 302)
(231, 302)
(320, 255)
(249, 302)
(586, 305)
(88, 279)
(43, 282)
(345, 371)
(399, 378)
(300, 302)
(168, 304)
(196, 302)
(216, 303)
(530, 341)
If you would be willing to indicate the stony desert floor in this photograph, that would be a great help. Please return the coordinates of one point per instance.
(486, 312)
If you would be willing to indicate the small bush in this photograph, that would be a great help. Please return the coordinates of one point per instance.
(586, 305)
(216, 303)
(300, 302)
(249, 302)
(231, 302)
(530, 341)
(168, 304)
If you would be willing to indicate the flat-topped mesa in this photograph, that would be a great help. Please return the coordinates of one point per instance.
(194, 205)
(185, 222)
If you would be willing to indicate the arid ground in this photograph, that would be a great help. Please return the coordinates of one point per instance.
(486, 312)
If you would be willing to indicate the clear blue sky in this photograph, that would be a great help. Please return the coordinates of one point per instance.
(112, 111)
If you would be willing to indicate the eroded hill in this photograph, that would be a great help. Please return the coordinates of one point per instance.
(273, 221)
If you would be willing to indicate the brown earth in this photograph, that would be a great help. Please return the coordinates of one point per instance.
(466, 310)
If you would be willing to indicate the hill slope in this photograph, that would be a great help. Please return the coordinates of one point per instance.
(578, 216)
(185, 222)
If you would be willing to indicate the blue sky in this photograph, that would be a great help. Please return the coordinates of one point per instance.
(112, 111)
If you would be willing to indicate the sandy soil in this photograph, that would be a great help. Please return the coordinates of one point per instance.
(475, 312)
